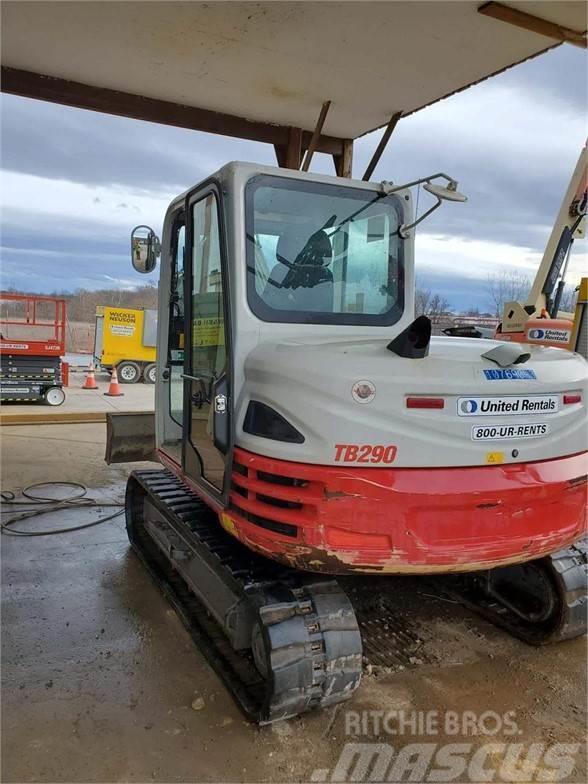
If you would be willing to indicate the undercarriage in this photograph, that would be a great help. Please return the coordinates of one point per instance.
(286, 641)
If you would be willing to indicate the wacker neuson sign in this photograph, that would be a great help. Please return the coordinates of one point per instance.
(505, 406)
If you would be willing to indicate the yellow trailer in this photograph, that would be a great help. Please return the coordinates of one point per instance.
(125, 338)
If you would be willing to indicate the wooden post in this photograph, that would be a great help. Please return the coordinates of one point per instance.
(289, 155)
(344, 162)
(315, 136)
(382, 145)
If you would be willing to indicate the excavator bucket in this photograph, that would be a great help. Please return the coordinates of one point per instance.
(130, 437)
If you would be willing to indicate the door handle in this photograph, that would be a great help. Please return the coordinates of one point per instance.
(202, 377)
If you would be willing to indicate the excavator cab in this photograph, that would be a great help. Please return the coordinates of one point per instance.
(254, 247)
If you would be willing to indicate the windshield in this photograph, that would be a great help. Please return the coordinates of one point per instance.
(322, 254)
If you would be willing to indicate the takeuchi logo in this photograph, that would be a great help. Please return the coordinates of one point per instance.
(468, 406)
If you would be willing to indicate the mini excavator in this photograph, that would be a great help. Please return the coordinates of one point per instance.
(309, 427)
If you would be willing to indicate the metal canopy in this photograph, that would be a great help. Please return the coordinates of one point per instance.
(242, 69)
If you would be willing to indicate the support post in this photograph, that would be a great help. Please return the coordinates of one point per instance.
(315, 136)
(344, 162)
(382, 145)
(289, 155)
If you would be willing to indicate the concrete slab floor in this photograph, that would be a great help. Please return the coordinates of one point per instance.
(99, 675)
(136, 397)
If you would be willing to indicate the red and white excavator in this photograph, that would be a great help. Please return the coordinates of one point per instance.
(308, 426)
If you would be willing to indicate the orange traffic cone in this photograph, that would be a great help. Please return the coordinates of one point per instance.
(114, 387)
(90, 382)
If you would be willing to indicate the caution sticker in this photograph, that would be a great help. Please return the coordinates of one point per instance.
(495, 457)
(208, 332)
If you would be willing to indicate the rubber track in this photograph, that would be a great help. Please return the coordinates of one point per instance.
(308, 623)
(567, 571)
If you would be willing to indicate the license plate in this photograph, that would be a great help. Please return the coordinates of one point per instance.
(505, 432)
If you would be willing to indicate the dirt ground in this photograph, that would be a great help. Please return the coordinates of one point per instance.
(100, 677)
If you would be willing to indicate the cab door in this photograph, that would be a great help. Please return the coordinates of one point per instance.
(207, 363)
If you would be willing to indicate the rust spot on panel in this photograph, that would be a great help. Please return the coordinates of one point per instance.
(489, 505)
(332, 494)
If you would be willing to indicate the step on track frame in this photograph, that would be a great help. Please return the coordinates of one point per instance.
(283, 641)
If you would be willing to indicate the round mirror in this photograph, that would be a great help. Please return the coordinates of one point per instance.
(446, 192)
(145, 248)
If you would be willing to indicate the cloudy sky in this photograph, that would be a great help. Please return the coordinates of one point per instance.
(75, 182)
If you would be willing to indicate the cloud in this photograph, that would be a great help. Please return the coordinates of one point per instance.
(75, 182)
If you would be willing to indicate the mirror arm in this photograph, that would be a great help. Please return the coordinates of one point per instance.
(389, 187)
(403, 231)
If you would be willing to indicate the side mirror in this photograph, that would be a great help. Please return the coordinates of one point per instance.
(145, 248)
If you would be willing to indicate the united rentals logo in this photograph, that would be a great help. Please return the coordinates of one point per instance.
(505, 406)
(553, 335)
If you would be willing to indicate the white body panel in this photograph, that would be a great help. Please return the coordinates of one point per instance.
(306, 371)
(310, 385)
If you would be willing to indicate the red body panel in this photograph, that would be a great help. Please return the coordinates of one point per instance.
(404, 520)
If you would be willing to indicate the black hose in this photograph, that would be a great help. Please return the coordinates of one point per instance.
(47, 505)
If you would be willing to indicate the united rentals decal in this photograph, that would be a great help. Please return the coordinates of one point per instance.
(551, 335)
(505, 406)
(501, 432)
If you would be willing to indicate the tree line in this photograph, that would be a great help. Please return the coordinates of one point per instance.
(82, 303)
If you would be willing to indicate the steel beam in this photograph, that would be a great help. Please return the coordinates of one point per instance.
(139, 107)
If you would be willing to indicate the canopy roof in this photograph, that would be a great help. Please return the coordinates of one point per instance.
(272, 63)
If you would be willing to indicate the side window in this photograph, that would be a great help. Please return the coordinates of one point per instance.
(176, 322)
(208, 335)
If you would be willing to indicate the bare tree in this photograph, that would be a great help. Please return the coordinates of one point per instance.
(422, 297)
(503, 287)
(438, 306)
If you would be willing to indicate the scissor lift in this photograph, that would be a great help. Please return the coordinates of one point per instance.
(32, 343)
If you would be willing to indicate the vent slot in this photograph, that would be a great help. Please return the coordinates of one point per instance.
(238, 489)
(278, 479)
(279, 502)
(271, 525)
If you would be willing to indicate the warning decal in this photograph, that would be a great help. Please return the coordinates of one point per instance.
(208, 332)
